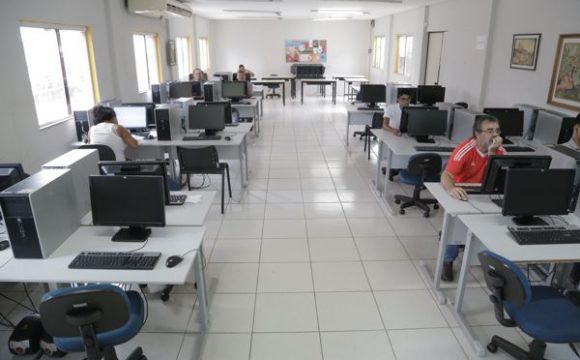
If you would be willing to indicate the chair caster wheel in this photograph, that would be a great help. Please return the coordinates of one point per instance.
(164, 297)
(426, 215)
(402, 212)
(492, 348)
(436, 206)
(397, 201)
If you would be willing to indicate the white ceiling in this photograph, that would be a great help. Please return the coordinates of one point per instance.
(301, 9)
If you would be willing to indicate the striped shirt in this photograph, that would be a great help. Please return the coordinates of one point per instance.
(467, 164)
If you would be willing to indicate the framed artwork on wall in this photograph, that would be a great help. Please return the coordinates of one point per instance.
(525, 51)
(171, 56)
(306, 51)
(565, 83)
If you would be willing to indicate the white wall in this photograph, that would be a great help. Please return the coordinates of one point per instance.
(203, 30)
(183, 27)
(507, 86)
(259, 44)
(407, 23)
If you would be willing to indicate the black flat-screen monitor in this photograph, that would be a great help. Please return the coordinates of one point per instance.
(426, 123)
(236, 90)
(225, 105)
(511, 120)
(132, 117)
(373, 94)
(150, 111)
(495, 173)
(430, 94)
(205, 116)
(10, 174)
(411, 91)
(532, 192)
(179, 89)
(135, 202)
(141, 168)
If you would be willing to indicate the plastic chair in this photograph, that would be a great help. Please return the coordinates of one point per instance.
(421, 168)
(105, 152)
(203, 161)
(541, 312)
(273, 87)
(93, 319)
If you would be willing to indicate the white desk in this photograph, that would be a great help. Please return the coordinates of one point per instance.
(249, 108)
(490, 232)
(349, 81)
(354, 116)
(342, 78)
(188, 214)
(281, 83)
(320, 82)
(168, 240)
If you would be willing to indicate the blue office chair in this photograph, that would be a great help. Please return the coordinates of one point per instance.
(422, 167)
(541, 312)
(93, 319)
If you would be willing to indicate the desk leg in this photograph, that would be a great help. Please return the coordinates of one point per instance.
(243, 155)
(283, 94)
(470, 245)
(202, 294)
(347, 126)
(379, 160)
(434, 280)
(293, 88)
(302, 92)
(389, 155)
(334, 93)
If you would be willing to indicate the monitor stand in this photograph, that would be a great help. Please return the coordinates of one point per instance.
(507, 141)
(425, 139)
(529, 220)
(209, 132)
(132, 234)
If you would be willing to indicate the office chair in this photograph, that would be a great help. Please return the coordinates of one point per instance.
(105, 152)
(93, 319)
(376, 123)
(421, 168)
(539, 311)
(203, 161)
(273, 87)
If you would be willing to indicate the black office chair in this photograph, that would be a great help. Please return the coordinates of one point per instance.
(273, 87)
(105, 152)
(376, 123)
(421, 168)
(203, 161)
(462, 104)
(93, 319)
(541, 312)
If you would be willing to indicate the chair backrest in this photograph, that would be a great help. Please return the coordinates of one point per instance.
(377, 122)
(198, 159)
(104, 306)
(105, 152)
(425, 165)
(462, 104)
(506, 281)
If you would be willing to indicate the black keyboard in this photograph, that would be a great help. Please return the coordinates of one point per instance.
(434, 148)
(518, 149)
(370, 108)
(177, 199)
(231, 125)
(541, 235)
(115, 260)
(566, 151)
(201, 138)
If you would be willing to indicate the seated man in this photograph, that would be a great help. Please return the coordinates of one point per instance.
(392, 120)
(467, 164)
(249, 74)
(574, 142)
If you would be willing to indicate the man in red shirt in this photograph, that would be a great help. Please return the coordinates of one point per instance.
(467, 165)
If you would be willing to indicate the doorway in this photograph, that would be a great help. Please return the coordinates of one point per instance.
(435, 53)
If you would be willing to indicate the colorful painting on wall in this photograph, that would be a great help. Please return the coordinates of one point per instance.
(565, 84)
(306, 51)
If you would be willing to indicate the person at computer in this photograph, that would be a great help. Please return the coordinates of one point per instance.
(467, 164)
(392, 115)
(242, 76)
(248, 73)
(197, 75)
(107, 131)
(574, 142)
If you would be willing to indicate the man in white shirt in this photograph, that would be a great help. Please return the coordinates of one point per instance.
(392, 116)
(574, 142)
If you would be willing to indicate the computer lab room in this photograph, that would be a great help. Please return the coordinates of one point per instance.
(289, 179)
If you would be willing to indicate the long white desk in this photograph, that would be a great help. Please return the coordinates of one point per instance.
(354, 116)
(249, 108)
(281, 83)
(490, 232)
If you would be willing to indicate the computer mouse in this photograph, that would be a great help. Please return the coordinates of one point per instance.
(150, 137)
(4, 245)
(173, 260)
(227, 138)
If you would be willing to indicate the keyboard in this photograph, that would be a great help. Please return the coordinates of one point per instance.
(541, 235)
(177, 199)
(518, 149)
(370, 108)
(115, 260)
(567, 151)
(201, 138)
(231, 125)
(434, 148)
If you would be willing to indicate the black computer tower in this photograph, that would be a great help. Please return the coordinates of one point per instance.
(208, 91)
(159, 93)
(566, 130)
(83, 120)
(167, 120)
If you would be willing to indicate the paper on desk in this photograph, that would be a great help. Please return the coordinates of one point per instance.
(193, 199)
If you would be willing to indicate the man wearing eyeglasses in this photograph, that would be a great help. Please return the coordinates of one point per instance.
(467, 164)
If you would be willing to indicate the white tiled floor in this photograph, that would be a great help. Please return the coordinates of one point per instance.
(305, 265)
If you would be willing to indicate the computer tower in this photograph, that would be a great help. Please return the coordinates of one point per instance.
(40, 213)
(553, 127)
(83, 120)
(82, 163)
(530, 117)
(450, 108)
(212, 91)
(159, 93)
(463, 120)
(168, 122)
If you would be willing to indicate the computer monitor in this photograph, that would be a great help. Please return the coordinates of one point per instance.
(205, 116)
(227, 108)
(150, 110)
(373, 94)
(235, 90)
(430, 94)
(497, 165)
(418, 127)
(11, 174)
(134, 202)
(179, 89)
(411, 91)
(132, 117)
(511, 120)
(141, 168)
(532, 192)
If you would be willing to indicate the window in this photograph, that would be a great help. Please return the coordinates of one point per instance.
(404, 51)
(146, 56)
(203, 54)
(59, 68)
(183, 58)
(379, 52)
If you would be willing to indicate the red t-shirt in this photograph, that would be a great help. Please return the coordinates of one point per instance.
(467, 164)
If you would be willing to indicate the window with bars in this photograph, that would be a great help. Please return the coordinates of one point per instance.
(59, 68)
(404, 52)
(379, 52)
(146, 52)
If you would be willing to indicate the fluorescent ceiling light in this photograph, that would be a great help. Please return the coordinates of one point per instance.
(330, 19)
(256, 13)
(340, 12)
